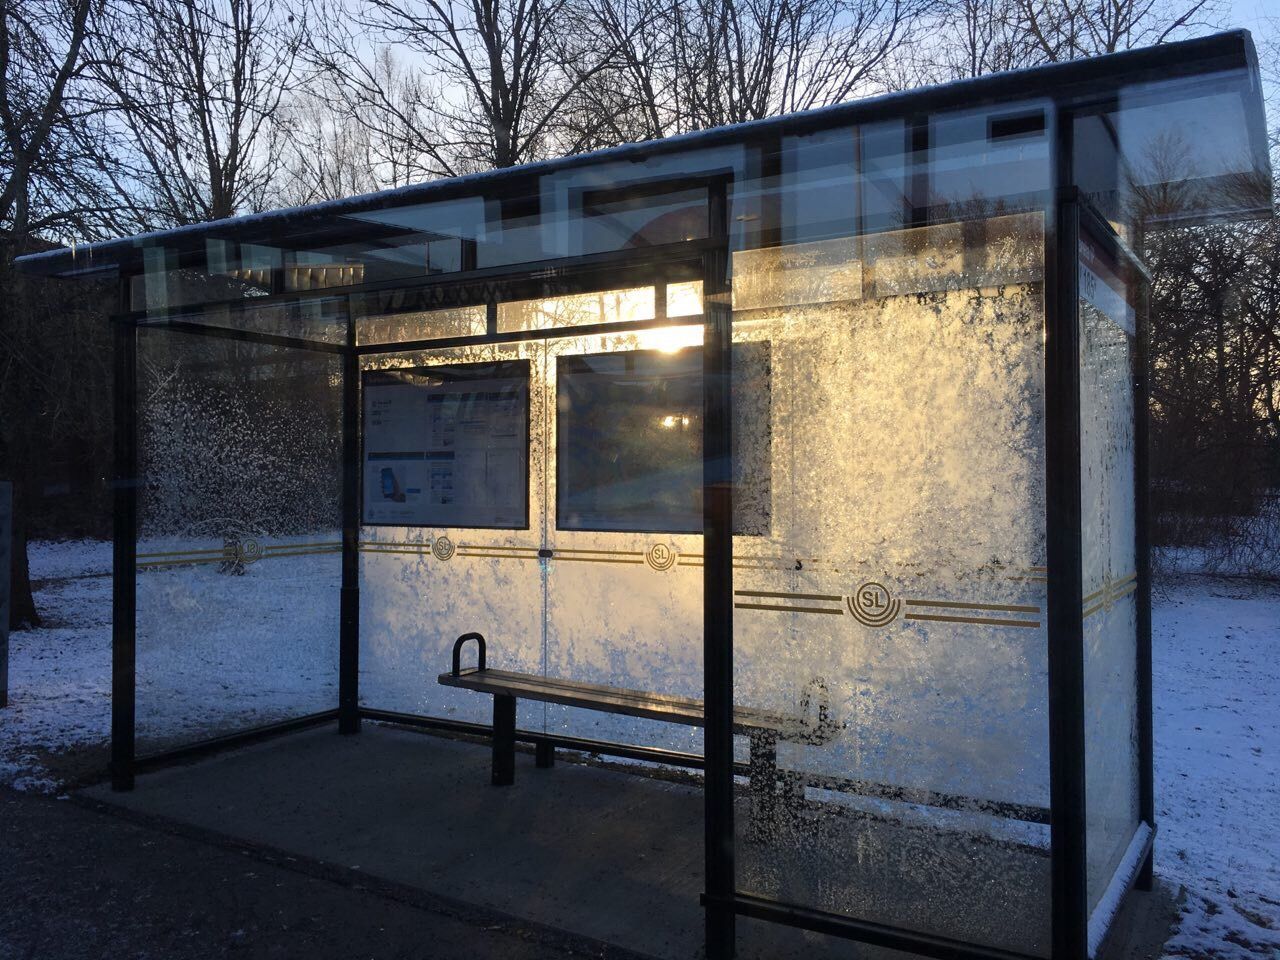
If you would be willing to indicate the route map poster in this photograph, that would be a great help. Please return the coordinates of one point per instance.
(447, 446)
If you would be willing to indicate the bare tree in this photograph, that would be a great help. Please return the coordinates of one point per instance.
(53, 151)
(394, 106)
(747, 60)
(199, 86)
(327, 153)
(692, 64)
(54, 147)
(970, 38)
(977, 37)
(1069, 29)
(503, 80)
(638, 97)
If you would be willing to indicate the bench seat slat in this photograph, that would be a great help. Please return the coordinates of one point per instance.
(635, 703)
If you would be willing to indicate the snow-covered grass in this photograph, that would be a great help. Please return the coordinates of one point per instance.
(1217, 690)
(1216, 650)
(215, 653)
(69, 558)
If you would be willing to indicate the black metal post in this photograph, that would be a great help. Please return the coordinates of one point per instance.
(544, 753)
(1142, 528)
(349, 611)
(1069, 901)
(124, 572)
(717, 585)
(504, 740)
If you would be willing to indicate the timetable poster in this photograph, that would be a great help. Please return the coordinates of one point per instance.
(447, 446)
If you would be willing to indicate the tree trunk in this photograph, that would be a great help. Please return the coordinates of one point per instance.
(22, 603)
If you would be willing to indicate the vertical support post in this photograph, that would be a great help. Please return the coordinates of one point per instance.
(544, 754)
(1142, 529)
(717, 584)
(124, 570)
(349, 615)
(917, 200)
(504, 740)
(1069, 901)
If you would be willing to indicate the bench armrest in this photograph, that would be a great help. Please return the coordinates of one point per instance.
(457, 651)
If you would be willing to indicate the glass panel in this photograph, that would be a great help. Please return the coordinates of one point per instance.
(684, 299)
(629, 441)
(239, 538)
(796, 274)
(623, 609)
(889, 631)
(321, 320)
(421, 325)
(989, 160)
(1108, 568)
(577, 310)
(423, 586)
(634, 203)
(1189, 149)
(620, 219)
(1171, 150)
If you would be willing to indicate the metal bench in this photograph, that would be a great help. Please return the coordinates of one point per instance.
(763, 729)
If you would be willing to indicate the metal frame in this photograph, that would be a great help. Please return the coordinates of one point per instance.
(717, 584)
(124, 579)
(352, 480)
(1069, 897)
(724, 902)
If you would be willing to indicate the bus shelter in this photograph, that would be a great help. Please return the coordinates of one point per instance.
(830, 425)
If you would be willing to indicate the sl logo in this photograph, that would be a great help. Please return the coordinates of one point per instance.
(442, 547)
(660, 557)
(238, 554)
(872, 606)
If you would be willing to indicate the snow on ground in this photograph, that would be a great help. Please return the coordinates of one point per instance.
(1216, 655)
(69, 558)
(1217, 700)
(215, 653)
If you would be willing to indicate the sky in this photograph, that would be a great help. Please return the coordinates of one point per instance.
(1251, 13)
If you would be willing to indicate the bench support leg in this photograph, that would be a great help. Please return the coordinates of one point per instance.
(504, 740)
(544, 755)
(764, 787)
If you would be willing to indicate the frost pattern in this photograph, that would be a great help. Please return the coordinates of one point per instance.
(235, 441)
(1110, 625)
(908, 453)
(904, 437)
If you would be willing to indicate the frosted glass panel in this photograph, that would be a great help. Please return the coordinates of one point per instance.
(239, 536)
(894, 615)
(576, 310)
(1108, 564)
(423, 586)
(421, 325)
(624, 605)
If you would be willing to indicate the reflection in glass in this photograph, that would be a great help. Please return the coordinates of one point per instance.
(576, 310)
(421, 325)
(629, 441)
(684, 299)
